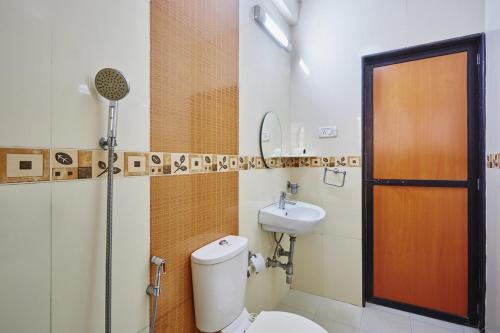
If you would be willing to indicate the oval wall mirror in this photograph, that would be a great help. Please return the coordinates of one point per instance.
(270, 138)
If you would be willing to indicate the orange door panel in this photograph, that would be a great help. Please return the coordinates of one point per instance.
(420, 246)
(420, 119)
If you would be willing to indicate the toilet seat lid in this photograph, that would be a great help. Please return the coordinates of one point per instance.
(283, 322)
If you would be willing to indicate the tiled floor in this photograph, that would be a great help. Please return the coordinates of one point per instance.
(339, 317)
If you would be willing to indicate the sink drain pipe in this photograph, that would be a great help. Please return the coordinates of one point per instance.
(280, 252)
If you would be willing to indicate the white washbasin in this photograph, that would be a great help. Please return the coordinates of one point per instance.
(294, 220)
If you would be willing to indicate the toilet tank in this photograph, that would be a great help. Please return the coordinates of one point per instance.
(219, 272)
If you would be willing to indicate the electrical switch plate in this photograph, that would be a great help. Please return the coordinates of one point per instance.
(328, 132)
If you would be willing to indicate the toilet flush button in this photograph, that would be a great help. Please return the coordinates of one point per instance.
(223, 242)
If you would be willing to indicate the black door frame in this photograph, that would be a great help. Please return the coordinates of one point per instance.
(474, 45)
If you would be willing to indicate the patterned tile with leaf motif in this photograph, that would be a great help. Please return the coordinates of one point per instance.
(222, 163)
(179, 163)
(100, 163)
(252, 163)
(210, 163)
(341, 161)
(243, 162)
(64, 164)
(155, 163)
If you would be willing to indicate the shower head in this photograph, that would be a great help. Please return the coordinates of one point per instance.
(111, 84)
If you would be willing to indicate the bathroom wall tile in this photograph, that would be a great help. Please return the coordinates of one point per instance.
(332, 161)
(302, 301)
(342, 205)
(180, 163)
(84, 164)
(280, 162)
(210, 163)
(243, 162)
(324, 161)
(25, 238)
(342, 264)
(145, 330)
(25, 68)
(257, 190)
(100, 164)
(179, 318)
(259, 163)
(252, 162)
(341, 161)
(78, 254)
(305, 162)
(24, 165)
(63, 158)
(316, 161)
(289, 162)
(64, 164)
(136, 164)
(196, 109)
(222, 163)
(196, 163)
(64, 173)
(271, 162)
(155, 163)
(233, 163)
(78, 113)
(340, 312)
(167, 164)
(354, 161)
(495, 163)
(489, 161)
(187, 213)
(309, 275)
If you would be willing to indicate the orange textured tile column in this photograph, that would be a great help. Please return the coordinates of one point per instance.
(194, 109)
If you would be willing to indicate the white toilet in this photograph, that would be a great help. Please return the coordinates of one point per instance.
(219, 282)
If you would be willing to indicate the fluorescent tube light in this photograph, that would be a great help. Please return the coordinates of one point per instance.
(267, 23)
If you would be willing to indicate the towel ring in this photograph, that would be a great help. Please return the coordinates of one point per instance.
(335, 171)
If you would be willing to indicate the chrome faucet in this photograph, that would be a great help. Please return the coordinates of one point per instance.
(282, 202)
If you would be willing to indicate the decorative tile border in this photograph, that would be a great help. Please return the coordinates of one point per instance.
(25, 165)
(493, 161)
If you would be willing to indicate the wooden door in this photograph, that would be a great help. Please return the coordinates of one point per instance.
(420, 182)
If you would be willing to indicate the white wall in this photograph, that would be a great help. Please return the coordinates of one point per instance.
(331, 38)
(492, 175)
(52, 235)
(264, 86)
(328, 261)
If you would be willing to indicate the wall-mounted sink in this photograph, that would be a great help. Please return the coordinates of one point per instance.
(294, 219)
